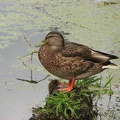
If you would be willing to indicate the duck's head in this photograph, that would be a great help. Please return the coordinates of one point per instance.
(54, 40)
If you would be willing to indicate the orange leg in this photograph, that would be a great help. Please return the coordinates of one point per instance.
(69, 87)
(64, 85)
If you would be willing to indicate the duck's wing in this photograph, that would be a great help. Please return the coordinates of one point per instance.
(101, 57)
(72, 49)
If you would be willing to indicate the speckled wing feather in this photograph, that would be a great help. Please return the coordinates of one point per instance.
(76, 50)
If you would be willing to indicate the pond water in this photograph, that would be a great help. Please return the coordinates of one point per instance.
(87, 22)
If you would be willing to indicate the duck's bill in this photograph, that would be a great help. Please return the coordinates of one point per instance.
(40, 43)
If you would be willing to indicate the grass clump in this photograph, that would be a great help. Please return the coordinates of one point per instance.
(74, 105)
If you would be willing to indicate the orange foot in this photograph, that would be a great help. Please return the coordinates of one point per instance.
(68, 87)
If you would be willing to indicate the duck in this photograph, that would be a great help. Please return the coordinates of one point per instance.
(70, 60)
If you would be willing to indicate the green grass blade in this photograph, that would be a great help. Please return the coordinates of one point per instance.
(108, 82)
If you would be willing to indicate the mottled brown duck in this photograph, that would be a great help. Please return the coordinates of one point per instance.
(71, 61)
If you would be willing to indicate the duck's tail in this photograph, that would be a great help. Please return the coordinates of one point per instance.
(110, 65)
